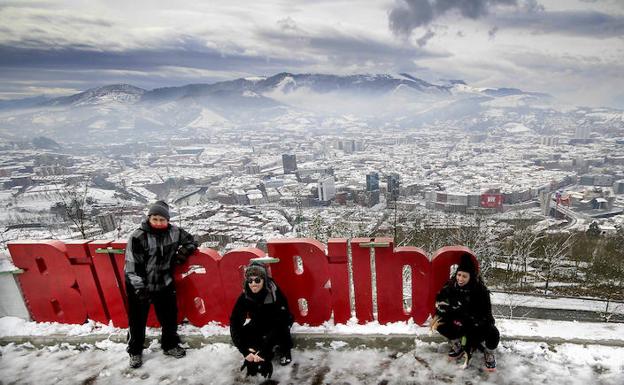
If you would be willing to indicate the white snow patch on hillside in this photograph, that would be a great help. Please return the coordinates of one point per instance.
(516, 128)
(250, 94)
(510, 101)
(206, 118)
(99, 124)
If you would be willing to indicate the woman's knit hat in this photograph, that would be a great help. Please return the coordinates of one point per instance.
(256, 269)
(467, 265)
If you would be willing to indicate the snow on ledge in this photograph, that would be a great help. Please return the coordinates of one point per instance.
(567, 330)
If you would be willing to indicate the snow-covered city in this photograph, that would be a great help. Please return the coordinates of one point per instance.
(477, 138)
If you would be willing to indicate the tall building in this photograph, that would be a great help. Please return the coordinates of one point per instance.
(290, 163)
(549, 140)
(326, 188)
(393, 187)
(582, 132)
(372, 189)
(372, 198)
(372, 181)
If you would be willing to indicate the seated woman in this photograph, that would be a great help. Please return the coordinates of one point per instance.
(260, 322)
(464, 315)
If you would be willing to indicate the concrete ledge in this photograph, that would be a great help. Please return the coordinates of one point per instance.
(397, 342)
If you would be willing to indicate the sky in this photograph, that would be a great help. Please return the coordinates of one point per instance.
(571, 49)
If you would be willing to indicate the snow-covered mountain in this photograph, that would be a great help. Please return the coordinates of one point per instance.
(115, 93)
(303, 101)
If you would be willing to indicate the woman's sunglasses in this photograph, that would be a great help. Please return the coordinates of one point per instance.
(254, 280)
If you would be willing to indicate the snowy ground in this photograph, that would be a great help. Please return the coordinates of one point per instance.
(519, 363)
(521, 360)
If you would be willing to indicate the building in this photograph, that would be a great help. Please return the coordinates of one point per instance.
(341, 198)
(326, 189)
(289, 162)
(372, 198)
(549, 140)
(252, 169)
(372, 181)
(393, 187)
(586, 180)
(582, 132)
(240, 197)
(106, 222)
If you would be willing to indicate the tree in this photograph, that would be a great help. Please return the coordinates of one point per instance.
(607, 265)
(581, 251)
(552, 250)
(593, 231)
(482, 239)
(520, 247)
(73, 205)
(317, 228)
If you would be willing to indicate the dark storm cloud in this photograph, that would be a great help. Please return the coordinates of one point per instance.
(422, 41)
(78, 67)
(578, 23)
(183, 53)
(406, 15)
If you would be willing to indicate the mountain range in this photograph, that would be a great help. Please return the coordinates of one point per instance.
(284, 100)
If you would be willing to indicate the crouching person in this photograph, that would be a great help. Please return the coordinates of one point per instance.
(464, 315)
(151, 254)
(260, 322)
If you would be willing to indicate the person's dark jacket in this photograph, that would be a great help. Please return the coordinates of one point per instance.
(151, 255)
(258, 320)
(469, 305)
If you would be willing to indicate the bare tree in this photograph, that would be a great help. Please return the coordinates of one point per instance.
(607, 266)
(552, 251)
(73, 205)
(520, 247)
(482, 239)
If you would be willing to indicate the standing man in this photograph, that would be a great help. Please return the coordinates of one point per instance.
(151, 254)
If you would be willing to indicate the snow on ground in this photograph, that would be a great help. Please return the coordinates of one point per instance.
(518, 363)
(330, 362)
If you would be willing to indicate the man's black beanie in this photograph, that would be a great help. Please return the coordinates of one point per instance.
(159, 208)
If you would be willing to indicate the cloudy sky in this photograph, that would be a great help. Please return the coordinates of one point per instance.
(572, 49)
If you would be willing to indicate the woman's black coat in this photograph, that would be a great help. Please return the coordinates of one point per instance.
(261, 321)
(470, 305)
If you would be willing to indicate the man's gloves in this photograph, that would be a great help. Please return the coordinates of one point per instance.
(182, 255)
(142, 294)
(265, 368)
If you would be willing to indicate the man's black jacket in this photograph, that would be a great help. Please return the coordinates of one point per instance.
(151, 255)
